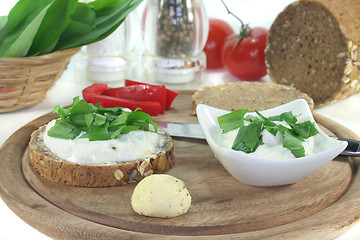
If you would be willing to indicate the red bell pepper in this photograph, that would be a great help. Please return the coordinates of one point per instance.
(93, 94)
(170, 95)
(155, 93)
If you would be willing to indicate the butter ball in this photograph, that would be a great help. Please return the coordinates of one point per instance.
(161, 195)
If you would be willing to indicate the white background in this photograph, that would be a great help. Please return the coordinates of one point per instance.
(257, 13)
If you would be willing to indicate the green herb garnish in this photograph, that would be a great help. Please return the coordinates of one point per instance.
(97, 123)
(232, 120)
(249, 135)
(37, 27)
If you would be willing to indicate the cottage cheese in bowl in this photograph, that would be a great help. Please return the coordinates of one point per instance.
(270, 164)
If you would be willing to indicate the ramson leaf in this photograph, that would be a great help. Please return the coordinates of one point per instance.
(232, 120)
(98, 132)
(249, 135)
(38, 27)
(109, 15)
(82, 23)
(56, 20)
(98, 123)
(63, 129)
(19, 43)
(3, 20)
(293, 144)
(21, 15)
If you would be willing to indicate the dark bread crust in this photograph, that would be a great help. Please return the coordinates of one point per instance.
(247, 95)
(311, 47)
(51, 167)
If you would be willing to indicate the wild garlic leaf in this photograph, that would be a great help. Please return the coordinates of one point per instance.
(78, 112)
(120, 120)
(99, 119)
(123, 130)
(38, 27)
(19, 43)
(306, 129)
(248, 137)
(289, 118)
(141, 119)
(98, 132)
(63, 129)
(293, 144)
(54, 23)
(232, 120)
(98, 123)
(20, 16)
(82, 22)
(89, 119)
(62, 112)
(109, 15)
(84, 13)
(3, 20)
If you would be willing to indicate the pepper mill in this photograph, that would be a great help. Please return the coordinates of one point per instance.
(174, 34)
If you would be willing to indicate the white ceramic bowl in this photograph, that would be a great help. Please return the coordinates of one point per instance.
(258, 171)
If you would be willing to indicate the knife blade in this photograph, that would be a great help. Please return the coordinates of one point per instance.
(186, 130)
(193, 130)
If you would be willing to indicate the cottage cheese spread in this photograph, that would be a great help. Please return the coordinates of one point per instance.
(273, 145)
(131, 146)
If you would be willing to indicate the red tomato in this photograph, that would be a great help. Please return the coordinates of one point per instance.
(218, 31)
(247, 60)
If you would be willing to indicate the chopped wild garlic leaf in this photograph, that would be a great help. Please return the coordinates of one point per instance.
(98, 123)
(232, 120)
(249, 135)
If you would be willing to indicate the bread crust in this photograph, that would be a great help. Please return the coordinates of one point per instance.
(51, 167)
(313, 45)
(247, 95)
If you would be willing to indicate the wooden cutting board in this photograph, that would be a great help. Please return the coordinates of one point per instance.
(322, 206)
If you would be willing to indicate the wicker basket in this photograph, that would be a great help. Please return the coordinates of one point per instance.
(24, 81)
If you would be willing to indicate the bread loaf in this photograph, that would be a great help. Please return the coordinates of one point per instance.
(51, 167)
(313, 46)
(247, 95)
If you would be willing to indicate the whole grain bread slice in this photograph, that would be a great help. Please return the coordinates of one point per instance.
(247, 95)
(315, 47)
(51, 167)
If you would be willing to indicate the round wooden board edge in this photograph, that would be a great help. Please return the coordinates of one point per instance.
(32, 208)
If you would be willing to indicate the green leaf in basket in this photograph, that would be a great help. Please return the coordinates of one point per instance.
(21, 26)
(37, 27)
(82, 22)
(3, 20)
(20, 15)
(104, 21)
(84, 13)
(20, 46)
(56, 20)
(109, 15)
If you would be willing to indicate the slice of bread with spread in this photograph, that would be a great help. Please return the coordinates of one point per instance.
(51, 167)
(314, 46)
(249, 95)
